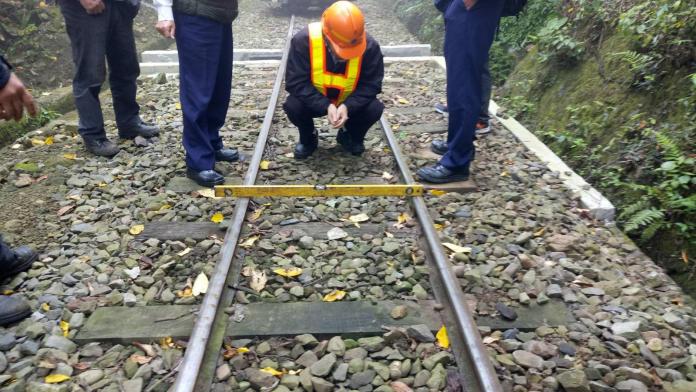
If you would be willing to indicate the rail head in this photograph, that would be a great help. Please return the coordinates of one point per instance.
(486, 376)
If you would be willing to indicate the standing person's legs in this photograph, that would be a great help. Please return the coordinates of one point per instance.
(220, 102)
(123, 65)
(469, 35)
(88, 36)
(199, 44)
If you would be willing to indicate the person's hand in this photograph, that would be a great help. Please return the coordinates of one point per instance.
(469, 3)
(332, 114)
(14, 97)
(93, 7)
(342, 113)
(167, 28)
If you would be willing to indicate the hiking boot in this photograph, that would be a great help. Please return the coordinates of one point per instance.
(22, 261)
(13, 309)
(439, 147)
(206, 178)
(227, 155)
(141, 129)
(102, 147)
(345, 139)
(305, 150)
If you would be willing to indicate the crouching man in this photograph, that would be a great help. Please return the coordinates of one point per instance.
(335, 69)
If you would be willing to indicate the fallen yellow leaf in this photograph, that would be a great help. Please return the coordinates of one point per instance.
(540, 232)
(442, 338)
(65, 327)
(137, 229)
(249, 242)
(243, 350)
(200, 285)
(165, 207)
(217, 218)
(403, 218)
(265, 165)
(334, 296)
(437, 192)
(288, 272)
(178, 106)
(438, 227)
(45, 307)
(456, 248)
(37, 142)
(256, 215)
(167, 342)
(272, 372)
(70, 155)
(56, 378)
(48, 141)
(187, 291)
(7, 292)
(404, 101)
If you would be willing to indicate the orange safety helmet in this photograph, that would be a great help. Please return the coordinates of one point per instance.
(343, 25)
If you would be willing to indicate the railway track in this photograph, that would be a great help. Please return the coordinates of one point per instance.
(204, 346)
(270, 298)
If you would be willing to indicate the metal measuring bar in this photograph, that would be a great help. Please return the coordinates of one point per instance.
(371, 190)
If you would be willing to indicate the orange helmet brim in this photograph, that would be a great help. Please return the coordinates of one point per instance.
(349, 52)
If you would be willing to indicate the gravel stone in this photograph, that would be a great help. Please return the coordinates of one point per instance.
(574, 381)
(421, 333)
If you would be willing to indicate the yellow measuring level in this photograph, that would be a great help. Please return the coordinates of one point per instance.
(251, 191)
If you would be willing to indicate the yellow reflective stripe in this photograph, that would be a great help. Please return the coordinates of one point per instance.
(316, 45)
(321, 79)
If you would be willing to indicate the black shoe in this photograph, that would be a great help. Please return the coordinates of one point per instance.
(439, 174)
(227, 155)
(439, 147)
(305, 150)
(22, 261)
(142, 129)
(102, 147)
(13, 309)
(345, 139)
(206, 178)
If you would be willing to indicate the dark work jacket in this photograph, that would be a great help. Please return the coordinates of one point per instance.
(223, 11)
(4, 72)
(298, 79)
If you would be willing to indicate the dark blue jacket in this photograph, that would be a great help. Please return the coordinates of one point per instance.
(4, 72)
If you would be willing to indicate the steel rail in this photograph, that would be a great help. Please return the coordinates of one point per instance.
(485, 373)
(195, 351)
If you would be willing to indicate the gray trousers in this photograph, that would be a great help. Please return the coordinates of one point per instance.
(97, 40)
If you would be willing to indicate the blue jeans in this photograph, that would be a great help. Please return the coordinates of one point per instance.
(468, 38)
(96, 40)
(205, 77)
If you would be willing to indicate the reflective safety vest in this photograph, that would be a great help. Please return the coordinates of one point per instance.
(321, 78)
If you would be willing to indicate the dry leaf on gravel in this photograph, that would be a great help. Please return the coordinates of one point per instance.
(70, 155)
(207, 192)
(265, 165)
(398, 386)
(387, 176)
(336, 234)
(146, 348)
(140, 359)
(200, 285)
(334, 296)
(65, 327)
(442, 338)
(249, 242)
(56, 378)
(288, 272)
(217, 218)
(272, 371)
(258, 280)
(456, 248)
(137, 229)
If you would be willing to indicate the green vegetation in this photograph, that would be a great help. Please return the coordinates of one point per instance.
(12, 130)
(611, 88)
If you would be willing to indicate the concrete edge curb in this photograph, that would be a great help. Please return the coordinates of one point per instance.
(600, 207)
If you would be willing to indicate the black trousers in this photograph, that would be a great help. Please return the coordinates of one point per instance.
(359, 122)
(96, 40)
